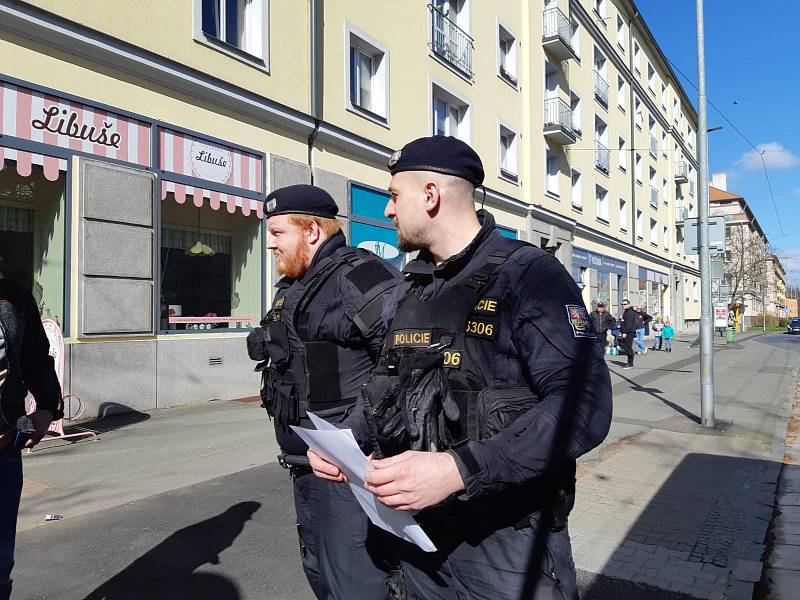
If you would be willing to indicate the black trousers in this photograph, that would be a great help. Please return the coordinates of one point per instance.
(627, 345)
(344, 556)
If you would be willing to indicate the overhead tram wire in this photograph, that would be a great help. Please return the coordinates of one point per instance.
(745, 138)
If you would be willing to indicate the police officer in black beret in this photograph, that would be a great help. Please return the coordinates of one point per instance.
(317, 346)
(491, 383)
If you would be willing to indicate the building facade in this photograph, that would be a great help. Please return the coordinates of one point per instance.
(138, 148)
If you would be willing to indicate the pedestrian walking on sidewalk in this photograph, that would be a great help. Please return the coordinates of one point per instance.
(317, 346)
(668, 332)
(658, 326)
(628, 331)
(642, 325)
(25, 366)
(602, 322)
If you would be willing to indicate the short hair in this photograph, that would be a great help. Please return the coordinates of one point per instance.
(624, 300)
(328, 226)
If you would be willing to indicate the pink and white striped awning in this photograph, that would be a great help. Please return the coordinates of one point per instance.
(38, 117)
(51, 165)
(215, 199)
(210, 161)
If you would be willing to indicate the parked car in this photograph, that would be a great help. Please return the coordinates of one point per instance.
(793, 326)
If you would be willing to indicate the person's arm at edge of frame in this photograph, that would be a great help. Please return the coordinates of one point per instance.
(39, 372)
(571, 378)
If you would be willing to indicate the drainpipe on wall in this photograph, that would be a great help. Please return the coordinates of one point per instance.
(316, 27)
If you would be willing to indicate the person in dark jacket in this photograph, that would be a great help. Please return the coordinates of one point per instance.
(602, 322)
(495, 385)
(628, 331)
(316, 347)
(642, 329)
(25, 366)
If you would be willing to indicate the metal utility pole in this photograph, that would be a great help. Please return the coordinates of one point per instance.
(706, 320)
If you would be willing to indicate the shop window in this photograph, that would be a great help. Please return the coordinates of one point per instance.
(369, 228)
(32, 236)
(210, 266)
(240, 24)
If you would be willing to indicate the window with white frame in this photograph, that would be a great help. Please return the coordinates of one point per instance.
(600, 8)
(509, 158)
(663, 96)
(601, 203)
(622, 154)
(623, 214)
(639, 225)
(241, 24)
(675, 109)
(637, 57)
(622, 93)
(577, 190)
(653, 232)
(637, 167)
(651, 77)
(638, 116)
(666, 238)
(451, 115)
(367, 79)
(664, 143)
(576, 38)
(507, 54)
(695, 292)
(575, 105)
(664, 191)
(621, 32)
(552, 171)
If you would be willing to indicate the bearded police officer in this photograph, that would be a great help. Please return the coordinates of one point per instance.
(490, 384)
(317, 346)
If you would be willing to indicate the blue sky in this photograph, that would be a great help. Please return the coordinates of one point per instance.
(752, 59)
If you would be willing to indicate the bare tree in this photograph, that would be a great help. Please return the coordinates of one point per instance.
(747, 262)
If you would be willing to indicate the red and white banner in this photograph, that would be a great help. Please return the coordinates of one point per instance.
(215, 199)
(31, 115)
(51, 165)
(216, 163)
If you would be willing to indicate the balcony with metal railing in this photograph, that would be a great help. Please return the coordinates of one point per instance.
(558, 123)
(653, 196)
(653, 146)
(600, 88)
(451, 43)
(602, 157)
(557, 34)
(681, 214)
(681, 172)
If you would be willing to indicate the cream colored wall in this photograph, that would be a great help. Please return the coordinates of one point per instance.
(69, 74)
(165, 27)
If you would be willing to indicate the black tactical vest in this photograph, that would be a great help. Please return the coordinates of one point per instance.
(429, 391)
(305, 374)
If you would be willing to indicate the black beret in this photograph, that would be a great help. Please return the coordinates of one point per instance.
(301, 200)
(439, 154)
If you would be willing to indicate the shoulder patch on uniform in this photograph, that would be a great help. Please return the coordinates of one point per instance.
(579, 321)
(369, 274)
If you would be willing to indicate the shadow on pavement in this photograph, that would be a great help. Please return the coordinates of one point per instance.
(701, 535)
(110, 417)
(657, 394)
(168, 570)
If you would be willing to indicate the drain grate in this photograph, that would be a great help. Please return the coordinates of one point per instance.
(214, 361)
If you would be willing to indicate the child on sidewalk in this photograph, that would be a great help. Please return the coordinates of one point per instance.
(667, 333)
(657, 327)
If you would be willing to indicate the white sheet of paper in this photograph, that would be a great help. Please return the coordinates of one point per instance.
(340, 447)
